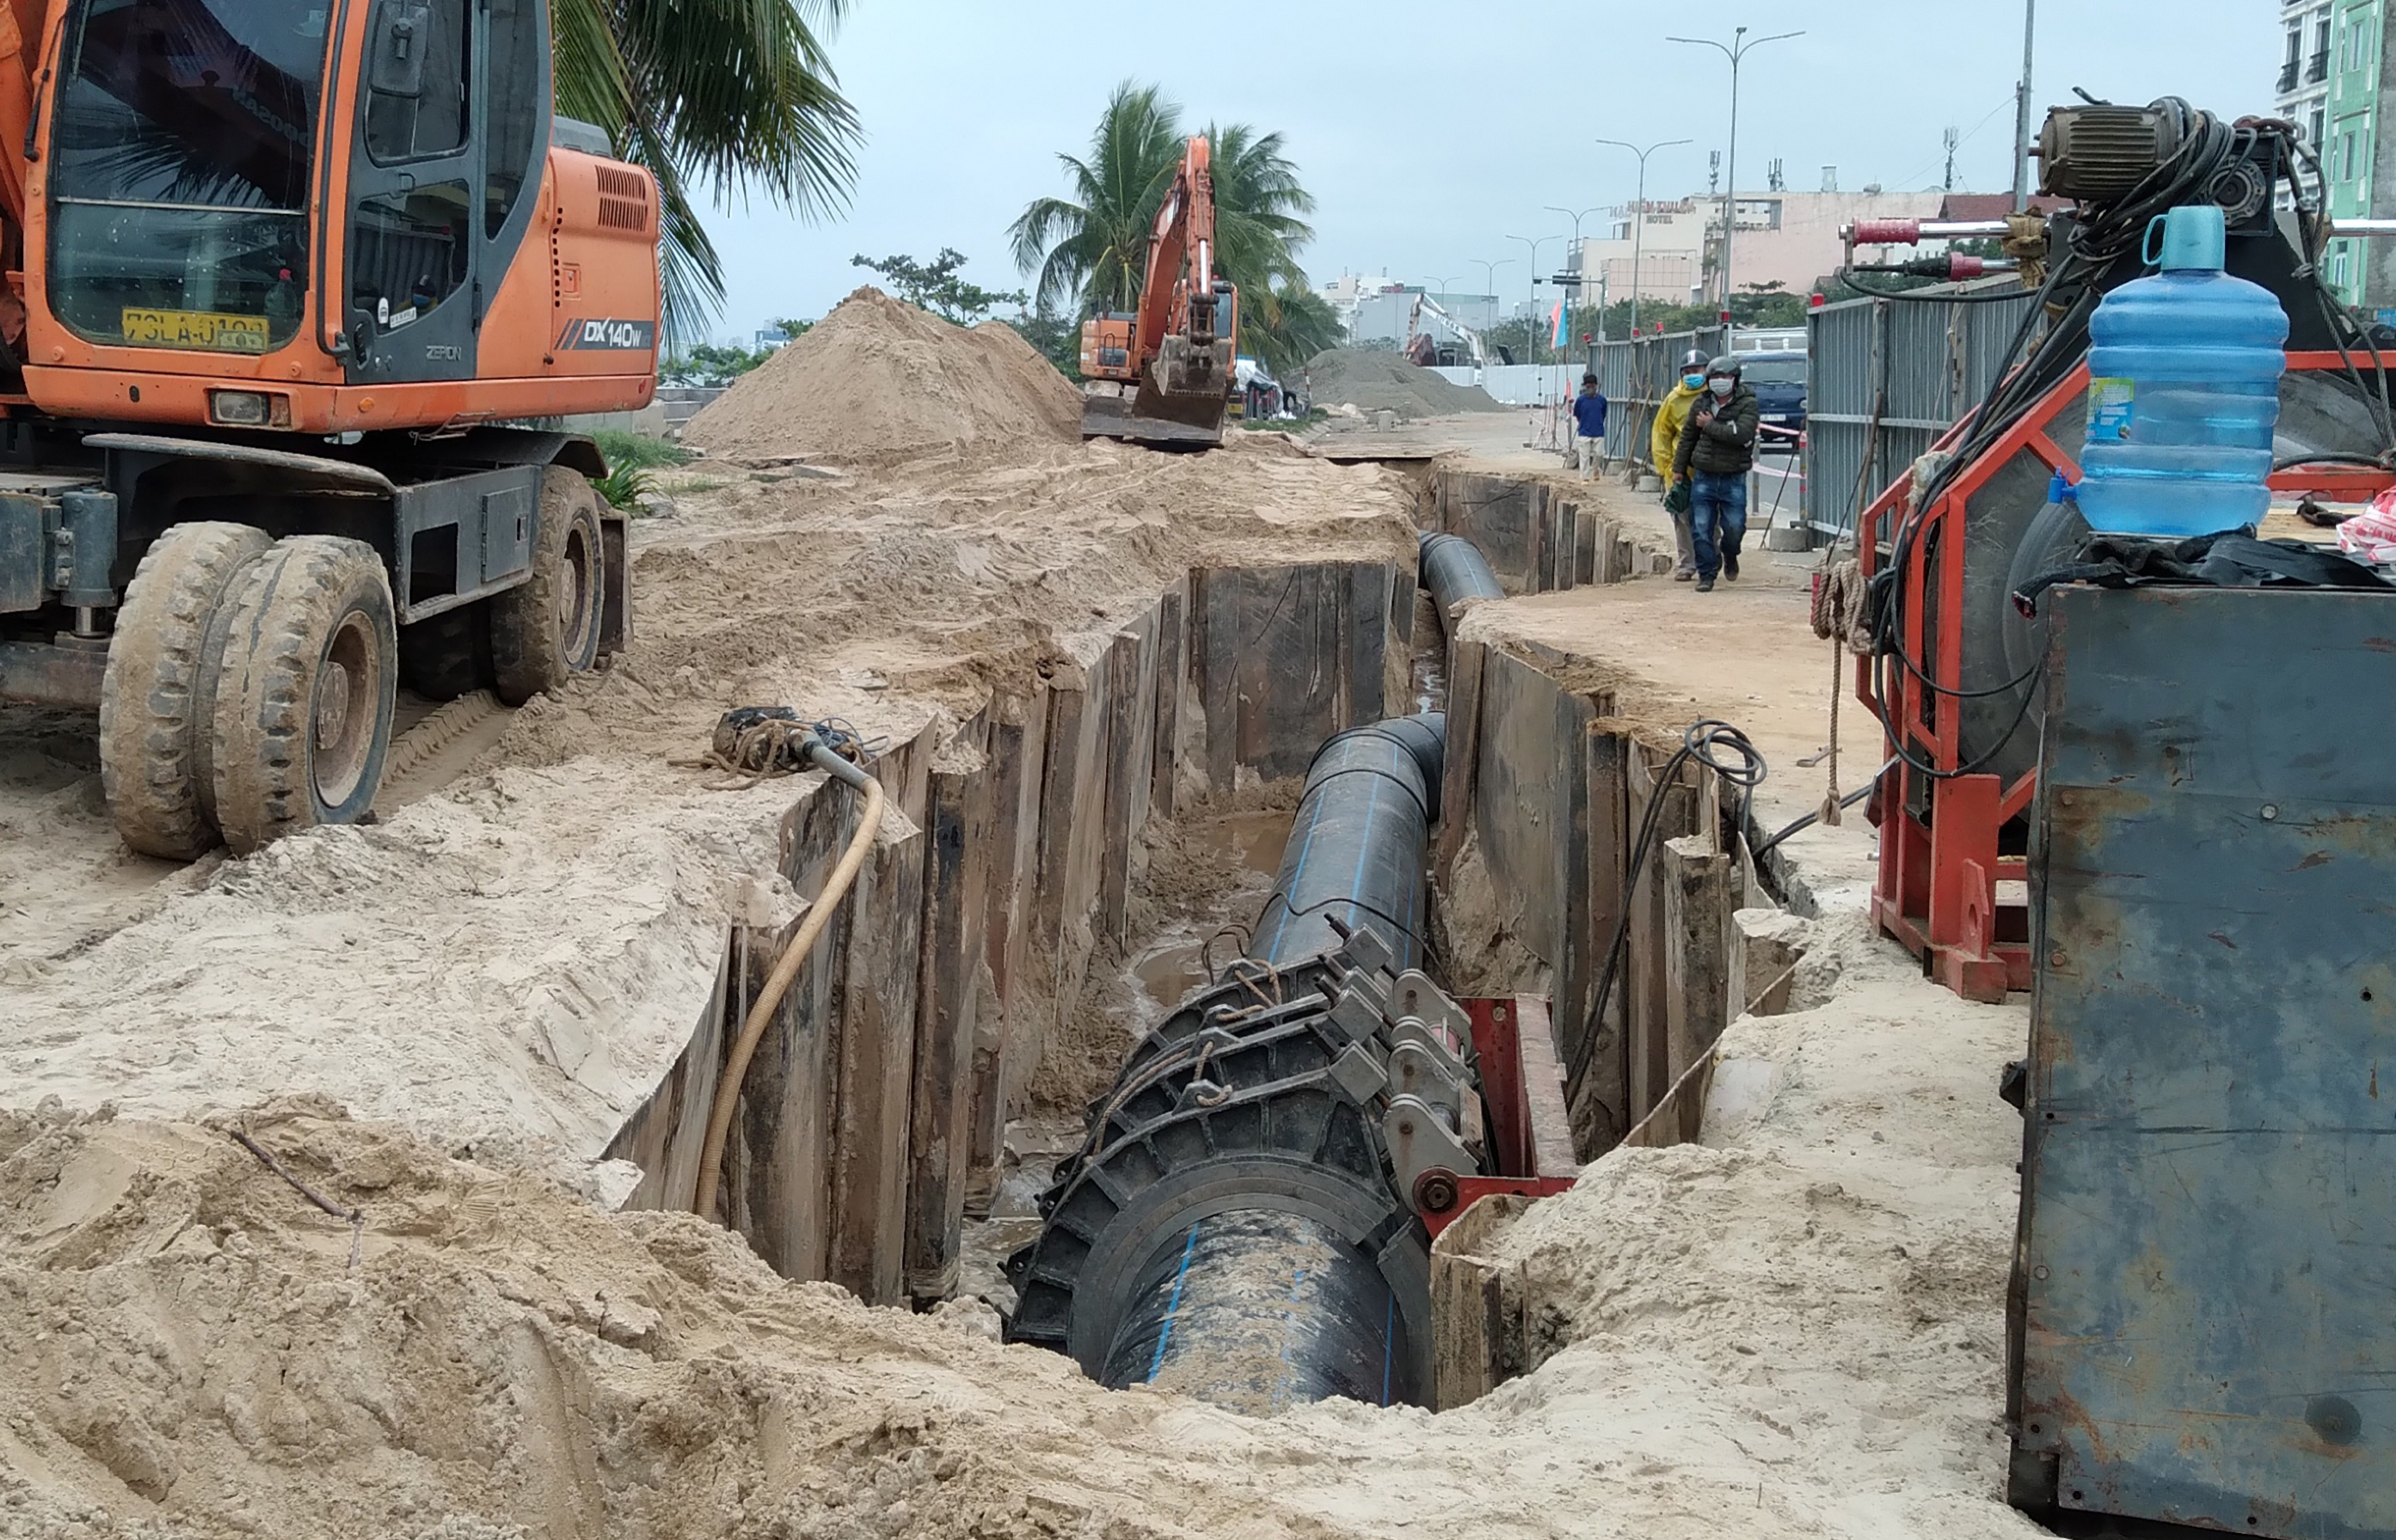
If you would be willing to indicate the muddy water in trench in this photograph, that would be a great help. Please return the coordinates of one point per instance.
(1178, 961)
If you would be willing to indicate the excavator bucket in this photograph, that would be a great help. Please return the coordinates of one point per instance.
(1182, 397)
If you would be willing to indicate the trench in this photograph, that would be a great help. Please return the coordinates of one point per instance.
(1063, 872)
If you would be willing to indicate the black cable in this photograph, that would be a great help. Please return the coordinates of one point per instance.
(1701, 743)
(1404, 929)
(2101, 239)
(1936, 293)
(1810, 819)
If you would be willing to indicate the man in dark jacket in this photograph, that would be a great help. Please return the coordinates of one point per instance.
(1716, 450)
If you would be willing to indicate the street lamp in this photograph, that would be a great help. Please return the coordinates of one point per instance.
(2021, 110)
(1639, 212)
(1489, 272)
(1738, 48)
(1534, 318)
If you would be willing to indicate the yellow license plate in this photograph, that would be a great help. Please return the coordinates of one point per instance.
(152, 328)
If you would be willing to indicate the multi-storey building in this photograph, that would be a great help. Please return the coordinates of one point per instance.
(2329, 87)
(2303, 93)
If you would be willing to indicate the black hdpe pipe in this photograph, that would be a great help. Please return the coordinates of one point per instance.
(1259, 1308)
(1355, 851)
(1454, 569)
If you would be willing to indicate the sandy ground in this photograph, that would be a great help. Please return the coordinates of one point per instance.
(1789, 1329)
(515, 960)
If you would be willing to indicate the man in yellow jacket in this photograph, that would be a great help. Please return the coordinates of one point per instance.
(1663, 443)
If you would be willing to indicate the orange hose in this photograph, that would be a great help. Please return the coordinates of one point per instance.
(778, 984)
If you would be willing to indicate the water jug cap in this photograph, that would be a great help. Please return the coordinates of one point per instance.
(2194, 237)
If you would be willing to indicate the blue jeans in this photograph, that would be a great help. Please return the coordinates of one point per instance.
(1717, 520)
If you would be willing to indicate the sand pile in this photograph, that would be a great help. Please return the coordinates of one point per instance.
(1375, 381)
(878, 381)
(1794, 1330)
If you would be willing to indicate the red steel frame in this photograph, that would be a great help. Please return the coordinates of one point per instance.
(1936, 888)
(1523, 1086)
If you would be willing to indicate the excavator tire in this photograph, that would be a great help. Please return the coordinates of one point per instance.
(546, 629)
(304, 691)
(156, 698)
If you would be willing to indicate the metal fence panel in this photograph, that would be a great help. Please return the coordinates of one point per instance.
(1884, 379)
(1636, 374)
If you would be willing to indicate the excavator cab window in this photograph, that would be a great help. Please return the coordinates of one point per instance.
(415, 88)
(519, 92)
(183, 142)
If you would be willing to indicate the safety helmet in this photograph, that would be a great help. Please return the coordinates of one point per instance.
(1726, 365)
(1694, 361)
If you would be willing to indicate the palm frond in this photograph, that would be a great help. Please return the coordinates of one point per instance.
(734, 93)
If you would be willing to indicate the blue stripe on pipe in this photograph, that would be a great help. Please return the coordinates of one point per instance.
(1289, 1327)
(1365, 853)
(1389, 1349)
(1173, 1308)
(1287, 907)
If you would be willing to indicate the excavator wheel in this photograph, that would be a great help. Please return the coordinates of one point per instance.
(546, 629)
(156, 698)
(304, 691)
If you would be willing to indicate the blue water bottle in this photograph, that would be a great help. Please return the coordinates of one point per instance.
(2184, 390)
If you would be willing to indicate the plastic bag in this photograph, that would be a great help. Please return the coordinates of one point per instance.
(2370, 536)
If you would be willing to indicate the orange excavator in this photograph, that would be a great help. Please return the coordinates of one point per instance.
(1163, 375)
(285, 282)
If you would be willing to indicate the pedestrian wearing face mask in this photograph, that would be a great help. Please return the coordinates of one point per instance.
(1663, 444)
(1717, 448)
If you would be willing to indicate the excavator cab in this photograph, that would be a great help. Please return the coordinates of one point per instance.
(369, 202)
(285, 281)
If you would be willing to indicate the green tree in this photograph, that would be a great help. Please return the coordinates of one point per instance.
(714, 98)
(1284, 325)
(1058, 339)
(936, 286)
(711, 364)
(1257, 203)
(1088, 250)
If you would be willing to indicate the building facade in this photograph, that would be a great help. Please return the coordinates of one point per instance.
(2349, 114)
(2302, 96)
(1790, 239)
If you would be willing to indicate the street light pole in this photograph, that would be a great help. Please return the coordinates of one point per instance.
(1578, 255)
(2021, 110)
(1738, 48)
(1639, 212)
(1533, 328)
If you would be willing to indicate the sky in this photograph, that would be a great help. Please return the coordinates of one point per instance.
(1428, 134)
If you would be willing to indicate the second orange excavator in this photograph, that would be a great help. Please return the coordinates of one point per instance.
(1161, 375)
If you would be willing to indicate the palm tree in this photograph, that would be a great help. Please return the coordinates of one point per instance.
(1258, 201)
(731, 95)
(1090, 249)
(1287, 325)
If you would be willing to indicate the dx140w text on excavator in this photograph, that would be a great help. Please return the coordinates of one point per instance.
(1163, 374)
(280, 274)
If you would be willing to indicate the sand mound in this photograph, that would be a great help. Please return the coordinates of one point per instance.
(878, 381)
(1388, 383)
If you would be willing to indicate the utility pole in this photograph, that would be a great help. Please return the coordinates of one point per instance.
(1533, 328)
(1489, 275)
(1577, 262)
(1639, 212)
(1738, 48)
(2021, 110)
